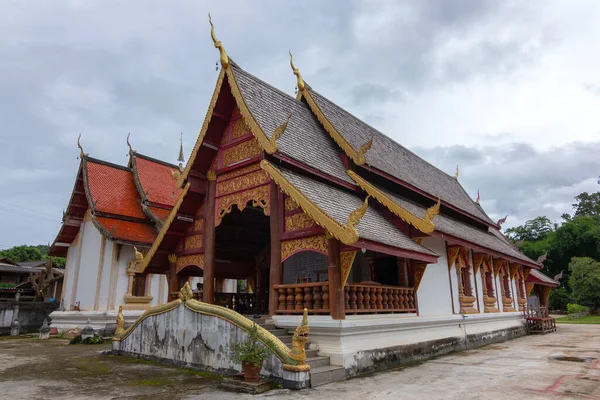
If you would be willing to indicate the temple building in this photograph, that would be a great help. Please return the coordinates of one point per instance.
(311, 208)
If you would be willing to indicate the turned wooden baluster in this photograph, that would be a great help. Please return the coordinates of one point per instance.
(401, 299)
(373, 294)
(282, 299)
(353, 298)
(325, 296)
(367, 301)
(299, 298)
(411, 299)
(318, 298)
(360, 298)
(379, 299)
(386, 298)
(395, 299)
(346, 297)
(308, 298)
(290, 299)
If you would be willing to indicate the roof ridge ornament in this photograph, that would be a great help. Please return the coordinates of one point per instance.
(131, 151)
(501, 221)
(218, 45)
(432, 211)
(365, 147)
(456, 173)
(279, 131)
(81, 153)
(180, 158)
(356, 215)
(300, 81)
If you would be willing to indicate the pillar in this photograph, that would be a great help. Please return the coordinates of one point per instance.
(275, 273)
(336, 293)
(208, 293)
(172, 276)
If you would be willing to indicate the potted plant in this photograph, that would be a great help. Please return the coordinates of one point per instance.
(250, 353)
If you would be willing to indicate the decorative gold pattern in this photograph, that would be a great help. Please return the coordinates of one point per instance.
(239, 128)
(211, 175)
(258, 195)
(194, 259)
(298, 221)
(142, 265)
(347, 234)
(193, 242)
(477, 261)
(365, 147)
(419, 240)
(258, 177)
(528, 288)
(238, 172)
(290, 204)
(419, 271)
(452, 255)
(514, 270)
(280, 129)
(241, 151)
(356, 215)
(199, 224)
(218, 45)
(120, 322)
(424, 225)
(299, 340)
(186, 293)
(498, 266)
(346, 261)
(312, 243)
(172, 258)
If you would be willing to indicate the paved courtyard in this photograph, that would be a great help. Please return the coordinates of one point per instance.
(563, 365)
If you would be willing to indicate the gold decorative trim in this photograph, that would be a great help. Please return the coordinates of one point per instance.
(211, 175)
(346, 261)
(207, 119)
(193, 242)
(419, 271)
(224, 59)
(184, 261)
(241, 151)
(347, 234)
(258, 195)
(299, 80)
(311, 243)
(477, 262)
(425, 225)
(290, 204)
(157, 310)
(172, 258)
(140, 267)
(298, 221)
(249, 180)
(453, 253)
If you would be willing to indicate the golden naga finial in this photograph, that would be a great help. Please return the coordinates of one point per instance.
(279, 130)
(186, 292)
(356, 215)
(364, 148)
(120, 322)
(300, 82)
(218, 45)
(139, 257)
(175, 174)
(81, 153)
(432, 211)
(456, 174)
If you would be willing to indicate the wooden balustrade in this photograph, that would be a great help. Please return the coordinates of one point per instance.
(358, 298)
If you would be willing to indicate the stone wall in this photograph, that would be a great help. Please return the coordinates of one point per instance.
(31, 315)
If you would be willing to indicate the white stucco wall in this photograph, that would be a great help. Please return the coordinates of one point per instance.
(127, 254)
(480, 284)
(88, 266)
(434, 290)
(69, 273)
(104, 282)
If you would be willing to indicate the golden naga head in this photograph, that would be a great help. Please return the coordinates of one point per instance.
(218, 45)
(81, 153)
(302, 332)
(356, 215)
(300, 82)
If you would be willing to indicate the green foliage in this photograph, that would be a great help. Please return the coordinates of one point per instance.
(559, 298)
(585, 281)
(534, 229)
(588, 319)
(587, 204)
(31, 253)
(250, 350)
(92, 340)
(576, 308)
(7, 285)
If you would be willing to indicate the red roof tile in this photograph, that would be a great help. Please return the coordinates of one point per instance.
(112, 190)
(127, 230)
(157, 182)
(161, 213)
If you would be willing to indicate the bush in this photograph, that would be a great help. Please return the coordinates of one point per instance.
(559, 298)
(576, 309)
(250, 350)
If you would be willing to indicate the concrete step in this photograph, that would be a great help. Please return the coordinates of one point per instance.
(316, 362)
(311, 353)
(279, 333)
(327, 374)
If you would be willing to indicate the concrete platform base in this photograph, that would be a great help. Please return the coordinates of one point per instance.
(103, 322)
(238, 384)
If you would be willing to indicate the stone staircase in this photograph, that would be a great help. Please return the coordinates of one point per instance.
(321, 371)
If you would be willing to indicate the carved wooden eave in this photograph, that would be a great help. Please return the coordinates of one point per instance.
(163, 231)
(347, 234)
(425, 225)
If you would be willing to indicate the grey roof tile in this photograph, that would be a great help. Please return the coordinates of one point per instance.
(338, 204)
(304, 139)
(543, 277)
(388, 156)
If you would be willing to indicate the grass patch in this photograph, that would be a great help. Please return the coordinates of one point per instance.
(588, 319)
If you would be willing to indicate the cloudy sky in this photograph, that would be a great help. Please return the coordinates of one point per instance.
(510, 91)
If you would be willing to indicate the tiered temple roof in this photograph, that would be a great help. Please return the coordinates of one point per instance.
(126, 204)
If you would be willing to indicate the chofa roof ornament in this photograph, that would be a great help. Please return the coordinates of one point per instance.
(300, 81)
(218, 45)
(81, 153)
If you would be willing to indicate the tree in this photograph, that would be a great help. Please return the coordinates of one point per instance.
(534, 229)
(585, 281)
(31, 253)
(559, 298)
(587, 204)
